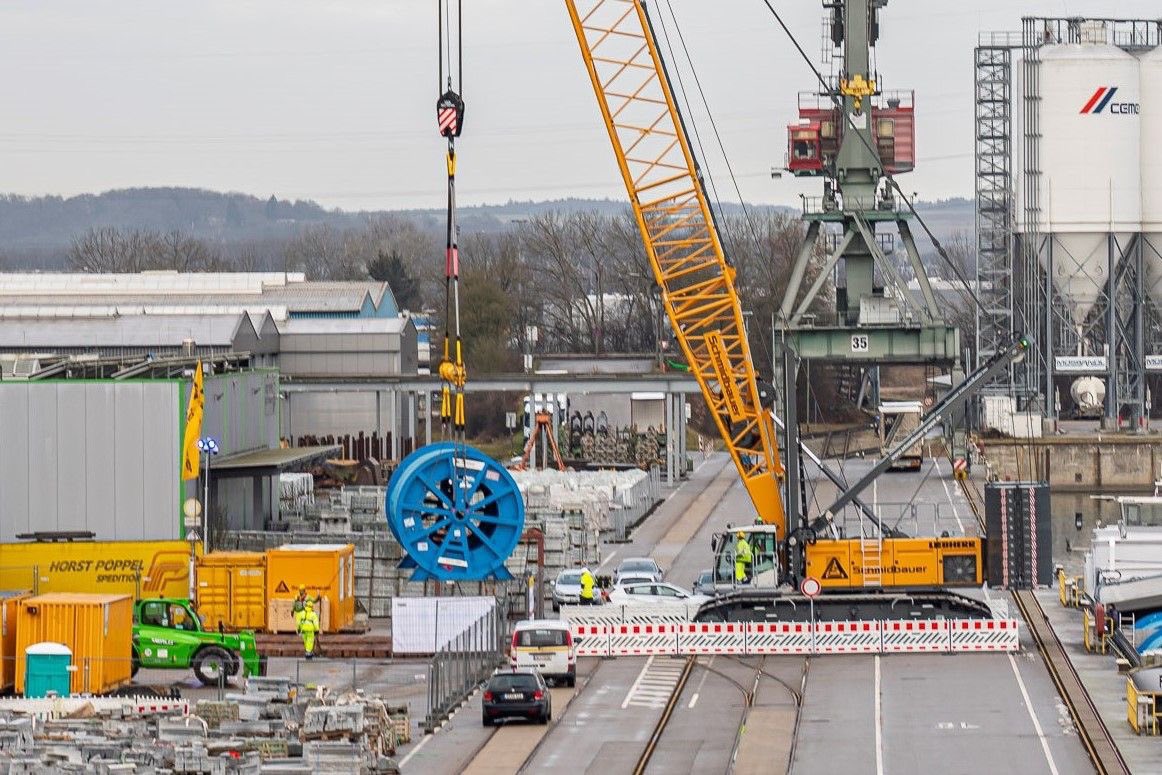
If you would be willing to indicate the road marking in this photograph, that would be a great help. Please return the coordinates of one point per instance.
(879, 724)
(693, 700)
(1033, 716)
(636, 683)
(654, 684)
(607, 559)
(415, 750)
(948, 494)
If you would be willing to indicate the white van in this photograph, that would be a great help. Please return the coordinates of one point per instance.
(545, 645)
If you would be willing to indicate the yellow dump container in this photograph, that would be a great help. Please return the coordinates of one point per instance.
(97, 628)
(9, 607)
(232, 590)
(327, 571)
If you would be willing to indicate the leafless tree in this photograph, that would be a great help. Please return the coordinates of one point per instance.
(111, 249)
(175, 250)
(108, 250)
(320, 252)
(585, 262)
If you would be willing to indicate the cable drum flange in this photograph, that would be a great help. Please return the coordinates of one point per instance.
(457, 513)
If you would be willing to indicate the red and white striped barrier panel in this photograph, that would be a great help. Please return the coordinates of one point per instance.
(984, 635)
(861, 637)
(635, 640)
(940, 636)
(57, 707)
(592, 639)
(778, 638)
(910, 637)
(712, 638)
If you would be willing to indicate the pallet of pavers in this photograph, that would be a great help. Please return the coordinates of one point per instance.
(334, 646)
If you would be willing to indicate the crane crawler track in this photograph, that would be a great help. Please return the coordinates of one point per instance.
(1092, 731)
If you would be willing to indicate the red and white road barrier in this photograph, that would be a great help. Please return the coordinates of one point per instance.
(941, 636)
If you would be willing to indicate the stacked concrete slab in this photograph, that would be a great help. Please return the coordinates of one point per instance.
(284, 734)
(611, 501)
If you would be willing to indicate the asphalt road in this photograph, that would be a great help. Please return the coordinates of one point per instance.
(954, 715)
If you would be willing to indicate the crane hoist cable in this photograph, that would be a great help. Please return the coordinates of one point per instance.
(450, 120)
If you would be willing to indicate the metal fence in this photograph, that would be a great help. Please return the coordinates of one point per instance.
(917, 519)
(460, 665)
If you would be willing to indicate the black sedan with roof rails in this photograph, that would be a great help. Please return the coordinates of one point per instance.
(516, 694)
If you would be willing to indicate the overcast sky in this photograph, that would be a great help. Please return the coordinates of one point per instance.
(333, 100)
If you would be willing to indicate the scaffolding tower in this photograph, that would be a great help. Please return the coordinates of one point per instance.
(993, 60)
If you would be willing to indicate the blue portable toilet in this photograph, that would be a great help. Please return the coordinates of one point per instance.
(47, 669)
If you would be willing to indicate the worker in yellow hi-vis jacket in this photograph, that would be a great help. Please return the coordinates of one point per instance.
(742, 559)
(307, 623)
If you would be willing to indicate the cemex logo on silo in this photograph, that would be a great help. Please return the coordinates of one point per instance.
(1103, 98)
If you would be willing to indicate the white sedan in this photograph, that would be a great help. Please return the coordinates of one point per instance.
(652, 592)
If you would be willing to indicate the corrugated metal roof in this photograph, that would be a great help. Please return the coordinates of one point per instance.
(342, 326)
(278, 312)
(163, 282)
(130, 331)
(276, 457)
(304, 297)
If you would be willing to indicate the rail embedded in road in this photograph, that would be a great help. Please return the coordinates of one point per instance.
(1095, 736)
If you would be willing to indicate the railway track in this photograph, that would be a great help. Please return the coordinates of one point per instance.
(1099, 744)
(667, 712)
(973, 498)
(749, 687)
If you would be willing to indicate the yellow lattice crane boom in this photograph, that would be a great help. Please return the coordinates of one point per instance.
(681, 241)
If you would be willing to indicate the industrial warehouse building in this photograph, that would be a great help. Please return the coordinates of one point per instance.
(108, 359)
(104, 455)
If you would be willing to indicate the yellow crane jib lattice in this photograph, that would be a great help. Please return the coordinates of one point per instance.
(684, 250)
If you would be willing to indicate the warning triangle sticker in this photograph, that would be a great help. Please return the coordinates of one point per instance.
(282, 587)
(834, 570)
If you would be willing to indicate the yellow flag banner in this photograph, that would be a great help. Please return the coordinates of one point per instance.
(191, 458)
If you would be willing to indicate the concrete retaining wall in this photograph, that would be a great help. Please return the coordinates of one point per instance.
(1124, 464)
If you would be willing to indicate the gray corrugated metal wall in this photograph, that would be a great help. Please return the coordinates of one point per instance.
(348, 354)
(241, 410)
(352, 411)
(99, 456)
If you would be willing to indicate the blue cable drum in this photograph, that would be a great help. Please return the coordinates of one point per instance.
(1151, 642)
(1150, 621)
(457, 513)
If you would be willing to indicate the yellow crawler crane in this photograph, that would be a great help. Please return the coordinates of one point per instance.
(682, 243)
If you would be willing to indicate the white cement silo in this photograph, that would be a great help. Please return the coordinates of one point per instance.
(1151, 154)
(1089, 182)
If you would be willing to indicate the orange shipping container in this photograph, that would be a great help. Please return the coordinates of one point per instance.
(9, 608)
(136, 568)
(232, 590)
(97, 628)
(327, 571)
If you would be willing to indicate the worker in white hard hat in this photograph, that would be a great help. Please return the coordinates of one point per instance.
(587, 581)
